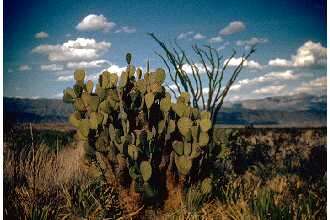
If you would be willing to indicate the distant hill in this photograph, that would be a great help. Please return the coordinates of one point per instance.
(298, 110)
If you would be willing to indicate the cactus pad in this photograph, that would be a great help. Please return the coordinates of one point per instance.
(149, 99)
(146, 170)
(205, 124)
(133, 151)
(183, 163)
(184, 125)
(165, 104)
(79, 75)
(178, 147)
(203, 139)
(84, 127)
(74, 119)
(206, 186)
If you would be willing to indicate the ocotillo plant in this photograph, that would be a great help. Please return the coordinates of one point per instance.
(135, 133)
(186, 74)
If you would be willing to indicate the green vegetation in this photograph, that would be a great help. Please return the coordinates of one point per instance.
(136, 135)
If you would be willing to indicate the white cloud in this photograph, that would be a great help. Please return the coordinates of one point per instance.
(216, 39)
(248, 63)
(24, 68)
(112, 69)
(251, 42)
(186, 67)
(233, 27)
(51, 67)
(223, 46)
(286, 75)
(173, 86)
(116, 69)
(279, 62)
(41, 35)
(316, 86)
(126, 29)
(269, 77)
(94, 22)
(79, 49)
(85, 64)
(205, 91)
(65, 78)
(199, 36)
(270, 90)
(308, 55)
(185, 35)
(234, 98)
(235, 87)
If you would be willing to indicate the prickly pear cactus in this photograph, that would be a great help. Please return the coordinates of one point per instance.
(132, 122)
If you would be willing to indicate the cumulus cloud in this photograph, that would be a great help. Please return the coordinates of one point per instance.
(116, 69)
(185, 35)
(94, 22)
(310, 54)
(199, 36)
(223, 46)
(51, 67)
(65, 78)
(270, 90)
(126, 29)
(113, 68)
(24, 68)
(190, 35)
(79, 49)
(233, 27)
(205, 91)
(279, 62)
(87, 65)
(316, 86)
(41, 35)
(199, 66)
(216, 39)
(248, 63)
(251, 42)
(269, 77)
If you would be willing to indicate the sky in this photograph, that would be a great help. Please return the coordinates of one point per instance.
(45, 41)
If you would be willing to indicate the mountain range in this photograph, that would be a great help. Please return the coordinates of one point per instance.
(296, 110)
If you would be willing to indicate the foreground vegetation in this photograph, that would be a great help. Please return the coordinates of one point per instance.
(137, 153)
(264, 174)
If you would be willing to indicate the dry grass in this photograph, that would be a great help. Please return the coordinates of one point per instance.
(66, 188)
(51, 169)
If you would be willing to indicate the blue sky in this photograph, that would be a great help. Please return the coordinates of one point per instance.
(45, 40)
